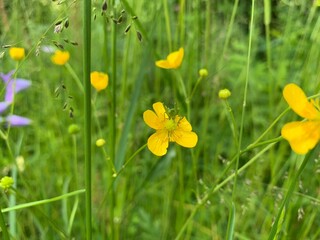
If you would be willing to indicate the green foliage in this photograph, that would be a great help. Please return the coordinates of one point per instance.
(187, 194)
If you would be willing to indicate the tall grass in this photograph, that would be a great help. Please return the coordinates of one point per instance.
(241, 181)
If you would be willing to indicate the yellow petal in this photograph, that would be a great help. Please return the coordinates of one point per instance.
(160, 110)
(299, 103)
(302, 136)
(152, 120)
(183, 124)
(158, 143)
(99, 80)
(184, 139)
(175, 58)
(163, 64)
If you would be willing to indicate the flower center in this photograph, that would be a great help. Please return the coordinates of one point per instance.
(170, 125)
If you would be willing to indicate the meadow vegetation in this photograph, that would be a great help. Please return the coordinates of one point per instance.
(187, 113)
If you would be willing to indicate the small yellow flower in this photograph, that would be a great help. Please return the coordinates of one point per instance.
(60, 57)
(6, 182)
(224, 93)
(302, 136)
(173, 60)
(100, 142)
(17, 54)
(99, 80)
(168, 129)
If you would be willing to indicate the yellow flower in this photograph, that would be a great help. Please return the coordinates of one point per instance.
(17, 54)
(173, 60)
(60, 57)
(302, 136)
(6, 182)
(168, 129)
(99, 80)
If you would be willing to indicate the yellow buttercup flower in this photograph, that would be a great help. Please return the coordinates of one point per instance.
(99, 80)
(16, 53)
(168, 129)
(173, 60)
(60, 57)
(302, 136)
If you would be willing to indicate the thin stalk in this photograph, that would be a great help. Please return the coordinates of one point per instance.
(113, 121)
(274, 229)
(213, 190)
(244, 99)
(167, 19)
(3, 226)
(87, 112)
(230, 27)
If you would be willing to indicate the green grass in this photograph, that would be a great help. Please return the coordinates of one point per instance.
(239, 180)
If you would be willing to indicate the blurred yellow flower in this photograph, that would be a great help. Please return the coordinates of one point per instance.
(99, 80)
(100, 142)
(302, 136)
(168, 129)
(16, 53)
(6, 182)
(60, 57)
(173, 60)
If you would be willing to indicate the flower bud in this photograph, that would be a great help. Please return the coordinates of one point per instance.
(100, 142)
(6, 182)
(203, 72)
(224, 93)
(73, 129)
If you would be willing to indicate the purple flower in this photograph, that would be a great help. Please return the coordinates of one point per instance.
(13, 86)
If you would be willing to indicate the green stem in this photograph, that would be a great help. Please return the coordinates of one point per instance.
(167, 19)
(274, 229)
(40, 202)
(74, 76)
(4, 231)
(202, 201)
(87, 112)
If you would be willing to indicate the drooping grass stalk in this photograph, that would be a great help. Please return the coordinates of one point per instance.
(45, 201)
(276, 227)
(87, 112)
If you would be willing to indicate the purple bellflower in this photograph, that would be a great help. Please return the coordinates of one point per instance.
(13, 86)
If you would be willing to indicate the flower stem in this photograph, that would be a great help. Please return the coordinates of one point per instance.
(274, 229)
(3, 226)
(87, 111)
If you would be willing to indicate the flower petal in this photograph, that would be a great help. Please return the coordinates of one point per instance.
(17, 85)
(152, 120)
(15, 120)
(183, 124)
(158, 143)
(3, 106)
(160, 110)
(6, 77)
(299, 103)
(163, 64)
(185, 139)
(302, 136)
(175, 58)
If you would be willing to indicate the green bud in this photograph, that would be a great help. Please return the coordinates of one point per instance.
(73, 129)
(6, 182)
(224, 93)
(100, 142)
(203, 72)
